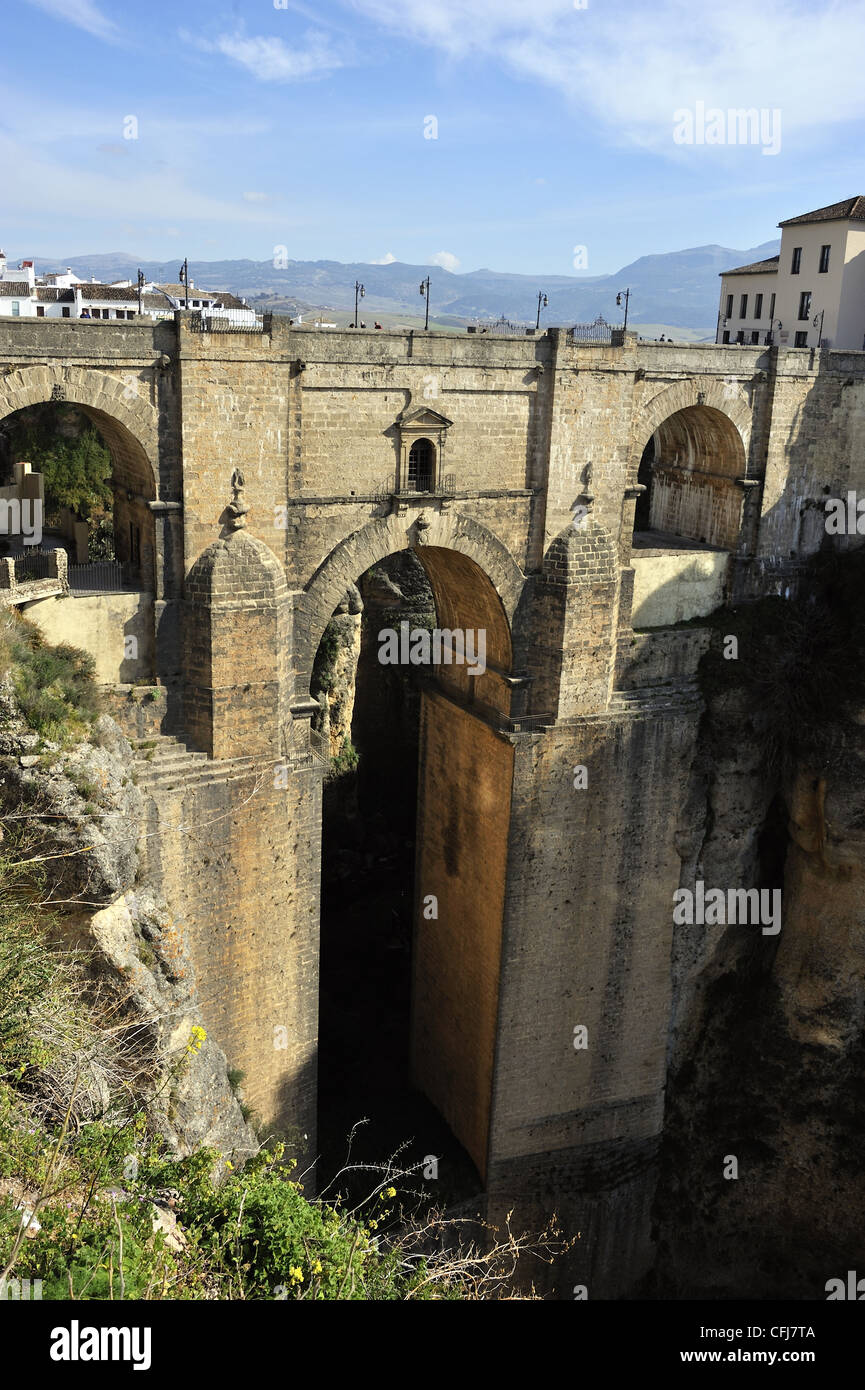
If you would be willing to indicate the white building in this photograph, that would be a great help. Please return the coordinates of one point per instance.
(214, 303)
(811, 294)
(62, 294)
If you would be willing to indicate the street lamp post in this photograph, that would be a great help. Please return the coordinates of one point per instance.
(820, 329)
(542, 304)
(184, 280)
(424, 290)
(627, 294)
(359, 293)
(140, 284)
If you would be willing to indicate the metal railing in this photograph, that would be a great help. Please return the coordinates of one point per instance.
(227, 321)
(445, 486)
(101, 577)
(598, 332)
(502, 327)
(35, 564)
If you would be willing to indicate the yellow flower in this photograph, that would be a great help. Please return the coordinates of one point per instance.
(391, 1192)
(229, 1164)
(296, 1274)
(196, 1038)
(316, 1269)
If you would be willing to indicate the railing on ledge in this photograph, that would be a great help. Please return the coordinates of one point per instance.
(502, 327)
(34, 574)
(36, 564)
(101, 577)
(228, 321)
(445, 486)
(598, 332)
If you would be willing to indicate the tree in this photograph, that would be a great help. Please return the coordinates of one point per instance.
(62, 444)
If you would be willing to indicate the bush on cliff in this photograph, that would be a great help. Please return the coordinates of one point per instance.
(53, 685)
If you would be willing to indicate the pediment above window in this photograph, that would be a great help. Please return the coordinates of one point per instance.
(423, 418)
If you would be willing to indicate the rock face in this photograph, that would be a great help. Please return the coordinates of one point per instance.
(333, 683)
(141, 941)
(762, 1192)
(87, 814)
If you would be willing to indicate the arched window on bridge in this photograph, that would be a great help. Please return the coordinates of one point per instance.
(421, 466)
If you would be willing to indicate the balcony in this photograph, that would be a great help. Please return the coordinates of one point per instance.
(32, 575)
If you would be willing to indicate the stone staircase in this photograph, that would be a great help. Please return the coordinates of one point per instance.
(656, 699)
(163, 763)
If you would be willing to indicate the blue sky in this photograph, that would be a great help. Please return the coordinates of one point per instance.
(304, 126)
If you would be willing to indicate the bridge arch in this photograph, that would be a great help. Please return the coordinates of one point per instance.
(453, 853)
(129, 426)
(116, 406)
(691, 446)
(441, 542)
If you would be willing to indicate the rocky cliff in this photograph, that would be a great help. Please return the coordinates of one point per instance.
(762, 1191)
(77, 813)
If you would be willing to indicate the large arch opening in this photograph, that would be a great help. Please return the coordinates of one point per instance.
(96, 481)
(689, 468)
(414, 843)
(93, 482)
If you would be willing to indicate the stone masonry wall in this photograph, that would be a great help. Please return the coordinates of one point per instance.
(237, 858)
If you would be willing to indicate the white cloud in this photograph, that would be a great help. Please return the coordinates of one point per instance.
(82, 14)
(41, 186)
(256, 197)
(446, 259)
(272, 60)
(385, 260)
(631, 65)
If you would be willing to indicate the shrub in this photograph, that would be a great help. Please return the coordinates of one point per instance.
(54, 686)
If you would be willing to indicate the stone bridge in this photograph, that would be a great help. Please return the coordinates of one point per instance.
(512, 467)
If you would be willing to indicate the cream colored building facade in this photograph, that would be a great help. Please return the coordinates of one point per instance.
(811, 294)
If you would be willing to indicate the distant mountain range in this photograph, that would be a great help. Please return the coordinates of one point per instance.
(679, 288)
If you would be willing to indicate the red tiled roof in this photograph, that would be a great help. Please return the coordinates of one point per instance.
(851, 207)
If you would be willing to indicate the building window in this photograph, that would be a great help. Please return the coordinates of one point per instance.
(726, 337)
(805, 304)
(420, 466)
(758, 306)
(64, 313)
(743, 307)
(728, 314)
(797, 260)
(40, 311)
(755, 335)
(740, 336)
(824, 259)
(16, 309)
(801, 339)
(771, 310)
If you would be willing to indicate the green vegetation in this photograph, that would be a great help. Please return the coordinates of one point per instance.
(250, 1235)
(82, 1155)
(324, 666)
(345, 761)
(54, 686)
